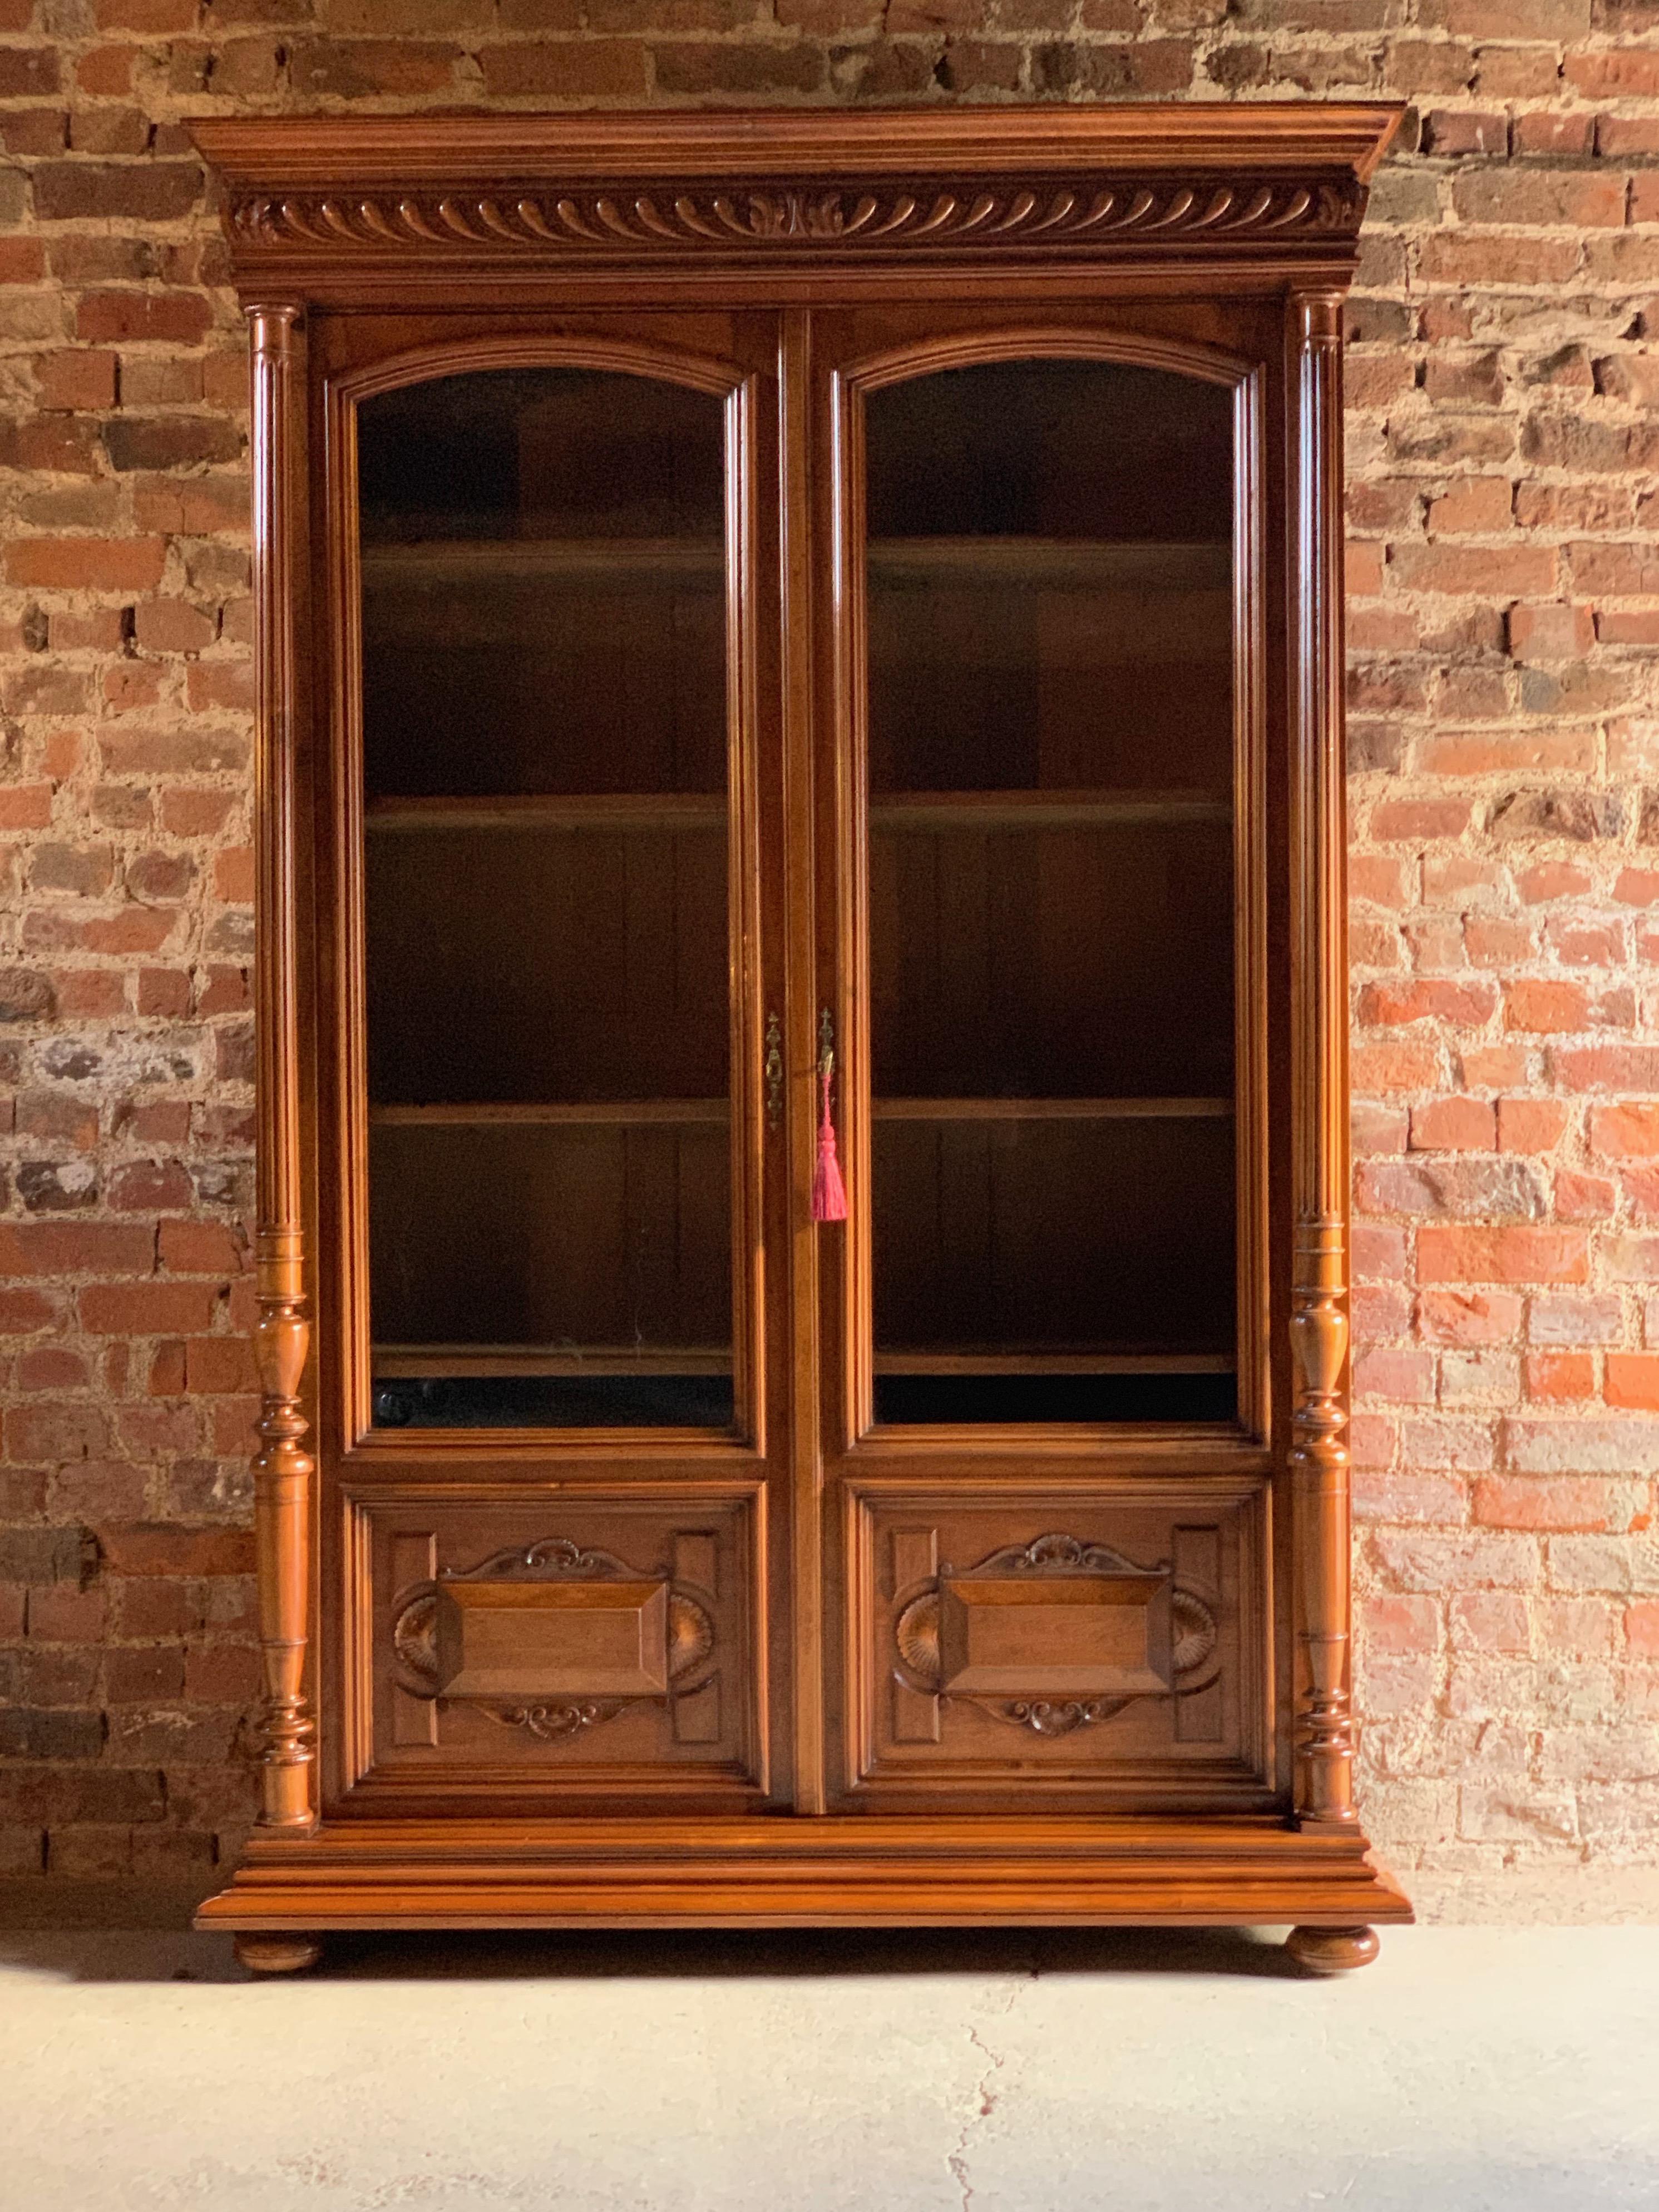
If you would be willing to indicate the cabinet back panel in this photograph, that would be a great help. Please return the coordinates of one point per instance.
(1053, 963)
(575, 1238)
(1058, 1235)
(537, 964)
(1051, 896)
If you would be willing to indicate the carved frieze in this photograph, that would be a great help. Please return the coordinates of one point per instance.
(700, 217)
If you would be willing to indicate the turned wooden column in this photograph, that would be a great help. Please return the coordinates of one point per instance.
(1319, 1318)
(282, 1468)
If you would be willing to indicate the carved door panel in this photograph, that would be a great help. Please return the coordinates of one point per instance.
(1045, 1404)
(555, 970)
(598, 1644)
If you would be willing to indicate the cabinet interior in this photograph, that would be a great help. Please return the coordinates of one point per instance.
(1048, 601)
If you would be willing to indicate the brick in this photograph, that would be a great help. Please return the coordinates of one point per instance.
(1566, 1501)
(1557, 1377)
(1550, 631)
(1508, 1254)
(1628, 1131)
(76, 380)
(1503, 584)
(1582, 199)
(151, 1309)
(1545, 1006)
(1477, 507)
(1489, 1621)
(47, 1555)
(111, 564)
(148, 191)
(121, 317)
(59, 1248)
(612, 68)
(169, 1548)
(1469, 1189)
(1586, 1447)
(1632, 1380)
(1400, 1624)
(1386, 1005)
(1630, 1259)
(169, 441)
(1454, 1125)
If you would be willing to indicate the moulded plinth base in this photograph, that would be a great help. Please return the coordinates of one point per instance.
(801, 1873)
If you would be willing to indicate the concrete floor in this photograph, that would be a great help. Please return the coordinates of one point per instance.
(1476, 2070)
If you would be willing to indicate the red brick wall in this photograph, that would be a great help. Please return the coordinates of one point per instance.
(1506, 853)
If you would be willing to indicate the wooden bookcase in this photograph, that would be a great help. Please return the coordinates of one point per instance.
(778, 632)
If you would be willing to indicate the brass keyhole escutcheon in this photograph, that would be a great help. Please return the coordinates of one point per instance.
(773, 1072)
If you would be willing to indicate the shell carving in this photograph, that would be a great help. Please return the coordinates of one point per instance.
(690, 1637)
(917, 1636)
(1194, 1631)
(414, 1644)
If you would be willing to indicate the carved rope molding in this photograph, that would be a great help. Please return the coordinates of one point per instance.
(586, 223)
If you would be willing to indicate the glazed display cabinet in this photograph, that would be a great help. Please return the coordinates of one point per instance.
(803, 1169)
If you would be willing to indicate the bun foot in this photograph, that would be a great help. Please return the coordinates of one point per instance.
(278, 1954)
(1331, 1950)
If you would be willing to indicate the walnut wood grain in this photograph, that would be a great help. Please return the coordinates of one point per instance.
(793, 266)
(1326, 1951)
(283, 1467)
(1110, 183)
(1319, 1323)
(688, 1872)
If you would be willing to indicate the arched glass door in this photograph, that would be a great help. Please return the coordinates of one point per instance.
(1050, 707)
(547, 743)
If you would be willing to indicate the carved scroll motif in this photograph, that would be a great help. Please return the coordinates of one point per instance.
(585, 223)
(920, 1635)
(430, 1654)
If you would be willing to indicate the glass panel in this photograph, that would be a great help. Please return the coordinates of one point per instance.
(1051, 895)
(545, 744)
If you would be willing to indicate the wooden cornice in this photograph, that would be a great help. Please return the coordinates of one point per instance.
(1109, 183)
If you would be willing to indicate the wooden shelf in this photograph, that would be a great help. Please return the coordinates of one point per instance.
(979, 1361)
(659, 1112)
(674, 812)
(629, 1113)
(1052, 1110)
(1119, 564)
(399, 1362)
(670, 811)
(483, 563)
(416, 1362)
(1122, 564)
(1043, 810)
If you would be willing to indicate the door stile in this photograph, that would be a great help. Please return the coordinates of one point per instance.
(804, 799)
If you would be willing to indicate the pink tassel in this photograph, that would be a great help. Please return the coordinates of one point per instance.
(828, 1191)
